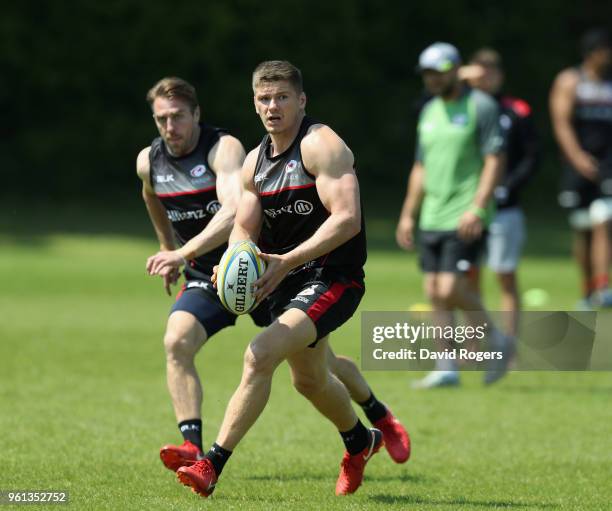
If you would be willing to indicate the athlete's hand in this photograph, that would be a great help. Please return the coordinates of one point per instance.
(164, 259)
(404, 234)
(170, 277)
(470, 226)
(277, 268)
(587, 165)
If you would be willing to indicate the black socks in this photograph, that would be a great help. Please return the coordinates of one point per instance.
(356, 439)
(192, 430)
(218, 456)
(373, 408)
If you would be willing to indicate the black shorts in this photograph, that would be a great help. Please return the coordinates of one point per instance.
(199, 297)
(578, 192)
(444, 251)
(328, 297)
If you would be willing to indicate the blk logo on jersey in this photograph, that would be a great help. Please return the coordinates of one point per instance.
(198, 171)
(290, 166)
(168, 178)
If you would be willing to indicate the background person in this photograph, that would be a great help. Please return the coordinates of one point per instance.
(581, 112)
(507, 232)
(451, 185)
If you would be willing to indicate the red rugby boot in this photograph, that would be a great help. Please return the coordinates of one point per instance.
(200, 477)
(397, 440)
(177, 456)
(352, 467)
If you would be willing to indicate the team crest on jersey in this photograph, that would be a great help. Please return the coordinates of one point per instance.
(198, 171)
(213, 206)
(291, 165)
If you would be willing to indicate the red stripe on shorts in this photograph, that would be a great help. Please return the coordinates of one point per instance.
(327, 299)
(179, 294)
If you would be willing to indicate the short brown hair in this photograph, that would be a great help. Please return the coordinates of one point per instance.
(276, 71)
(172, 87)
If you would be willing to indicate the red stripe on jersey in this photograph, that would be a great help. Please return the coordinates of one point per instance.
(188, 192)
(275, 192)
(327, 299)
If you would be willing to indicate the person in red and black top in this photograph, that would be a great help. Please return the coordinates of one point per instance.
(300, 203)
(191, 186)
(507, 232)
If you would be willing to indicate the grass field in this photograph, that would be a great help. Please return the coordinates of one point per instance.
(84, 406)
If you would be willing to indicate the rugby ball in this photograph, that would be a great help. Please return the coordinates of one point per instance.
(238, 269)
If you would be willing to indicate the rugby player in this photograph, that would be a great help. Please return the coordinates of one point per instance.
(301, 205)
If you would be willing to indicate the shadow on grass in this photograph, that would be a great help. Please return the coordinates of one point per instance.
(558, 389)
(404, 478)
(461, 501)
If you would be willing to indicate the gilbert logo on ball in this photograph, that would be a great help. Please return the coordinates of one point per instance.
(239, 268)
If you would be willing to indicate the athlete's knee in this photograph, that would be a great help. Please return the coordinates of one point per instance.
(259, 359)
(444, 296)
(180, 346)
(339, 364)
(309, 384)
(429, 287)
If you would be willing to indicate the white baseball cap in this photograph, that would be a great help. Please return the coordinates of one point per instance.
(439, 57)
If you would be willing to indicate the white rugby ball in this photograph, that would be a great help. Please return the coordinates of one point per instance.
(238, 269)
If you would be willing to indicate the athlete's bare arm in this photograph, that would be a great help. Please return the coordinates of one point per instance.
(247, 223)
(471, 222)
(157, 214)
(327, 157)
(562, 99)
(226, 158)
(404, 233)
(249, 216)
(157, 211)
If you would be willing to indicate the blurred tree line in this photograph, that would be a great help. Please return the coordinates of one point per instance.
(74, 76)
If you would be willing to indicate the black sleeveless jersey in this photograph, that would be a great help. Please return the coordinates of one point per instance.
(187, 187)
(593, 118)
(293, 210)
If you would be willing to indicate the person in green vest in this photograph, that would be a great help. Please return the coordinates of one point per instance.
(457, 166)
